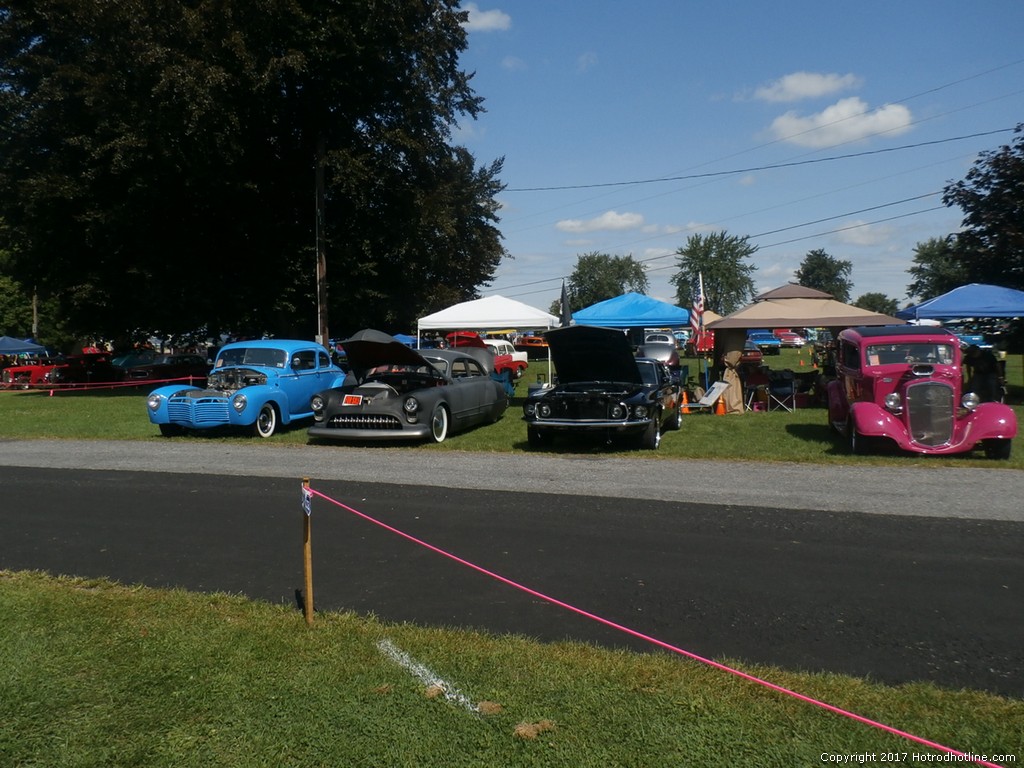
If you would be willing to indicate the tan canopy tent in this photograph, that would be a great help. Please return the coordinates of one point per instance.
(801, 312)
(793, 291)
(788, 306)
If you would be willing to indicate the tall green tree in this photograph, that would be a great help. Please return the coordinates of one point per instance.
(722, 260)
(826, 273)
(600, 276)
(937, 269)
(877, 302)
(159, 158)
(990, 245)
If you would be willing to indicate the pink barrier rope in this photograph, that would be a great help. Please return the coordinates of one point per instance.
(662, 644)
(198, 381)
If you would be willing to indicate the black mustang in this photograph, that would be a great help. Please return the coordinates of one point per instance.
(602, 390)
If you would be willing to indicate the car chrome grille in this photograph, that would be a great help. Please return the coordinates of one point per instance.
(930, 413)
(198, 410)
(364, 421)
(582, 409)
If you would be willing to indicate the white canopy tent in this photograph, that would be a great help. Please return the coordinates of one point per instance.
(489, 313)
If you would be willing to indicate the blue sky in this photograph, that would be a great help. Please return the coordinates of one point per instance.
(801, 125)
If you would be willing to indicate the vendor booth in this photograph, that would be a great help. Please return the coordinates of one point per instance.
(974, 300)
(489, 313)
(789, 306)
(633, 310)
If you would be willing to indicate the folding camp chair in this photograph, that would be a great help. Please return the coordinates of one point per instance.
(782, 391)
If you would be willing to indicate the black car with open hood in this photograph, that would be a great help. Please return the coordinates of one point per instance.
(602, 390)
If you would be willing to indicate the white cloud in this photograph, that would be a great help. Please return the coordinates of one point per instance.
(845, 121)
(610, 220)
(806, 85)
(586, 61)
(513, 64)
(486, 21)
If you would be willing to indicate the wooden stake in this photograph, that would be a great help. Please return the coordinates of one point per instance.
(307, 559)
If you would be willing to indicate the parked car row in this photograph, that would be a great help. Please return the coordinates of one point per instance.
(394, 392)
(101, 368)
(898, 384)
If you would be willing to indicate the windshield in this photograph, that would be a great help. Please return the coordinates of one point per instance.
(259, 356)
(648, 373)
(912, 352)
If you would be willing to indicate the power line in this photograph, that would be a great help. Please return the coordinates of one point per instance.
(752, 169)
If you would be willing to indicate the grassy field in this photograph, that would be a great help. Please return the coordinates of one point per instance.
(96, 674)
(801, 436)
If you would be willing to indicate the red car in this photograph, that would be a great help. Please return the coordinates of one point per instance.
(536, 347)
(31, 374)
(903, 385)
(88, 368)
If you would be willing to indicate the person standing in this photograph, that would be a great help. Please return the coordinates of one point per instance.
(984, 379)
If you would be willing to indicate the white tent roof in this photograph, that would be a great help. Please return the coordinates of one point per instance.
(489, 312)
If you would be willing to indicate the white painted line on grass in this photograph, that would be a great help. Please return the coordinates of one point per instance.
(425, 675)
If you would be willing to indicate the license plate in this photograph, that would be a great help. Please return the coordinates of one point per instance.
(352, 400)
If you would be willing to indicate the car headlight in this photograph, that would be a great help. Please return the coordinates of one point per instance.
(970, 401)
(640, 412)
(316, 403)
(411, 405)
(618, 411)
(893, 402)
(544, 410)
(153, 402)
(239, 402)
(530, 409)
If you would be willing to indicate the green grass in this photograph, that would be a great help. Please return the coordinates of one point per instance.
(801, 436)
(97, 674)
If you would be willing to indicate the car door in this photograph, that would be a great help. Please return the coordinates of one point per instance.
(312, 372)
(469, 390)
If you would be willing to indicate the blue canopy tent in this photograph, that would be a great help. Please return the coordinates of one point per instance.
(974, 300)
(12, 346)
(633, 310)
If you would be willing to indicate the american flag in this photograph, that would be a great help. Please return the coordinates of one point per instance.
(697, 313)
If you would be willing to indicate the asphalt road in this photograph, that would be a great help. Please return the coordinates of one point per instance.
(898, 575)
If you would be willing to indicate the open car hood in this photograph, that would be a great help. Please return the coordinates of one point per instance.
(369, 348)
(591, 353)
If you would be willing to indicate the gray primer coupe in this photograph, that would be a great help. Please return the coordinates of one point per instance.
(397, 393)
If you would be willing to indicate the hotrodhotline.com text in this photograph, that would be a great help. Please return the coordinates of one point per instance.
(850, 758)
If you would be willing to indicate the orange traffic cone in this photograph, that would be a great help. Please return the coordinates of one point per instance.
(686, 403)
(720, 407)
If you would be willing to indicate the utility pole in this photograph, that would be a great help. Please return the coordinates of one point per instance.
(322, 337)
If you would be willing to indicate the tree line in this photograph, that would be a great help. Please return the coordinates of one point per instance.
(160, 159)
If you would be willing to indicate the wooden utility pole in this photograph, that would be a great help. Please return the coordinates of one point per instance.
(307, 557)
(323, 337)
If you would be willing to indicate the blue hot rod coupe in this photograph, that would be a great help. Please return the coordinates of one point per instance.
(254, 384)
